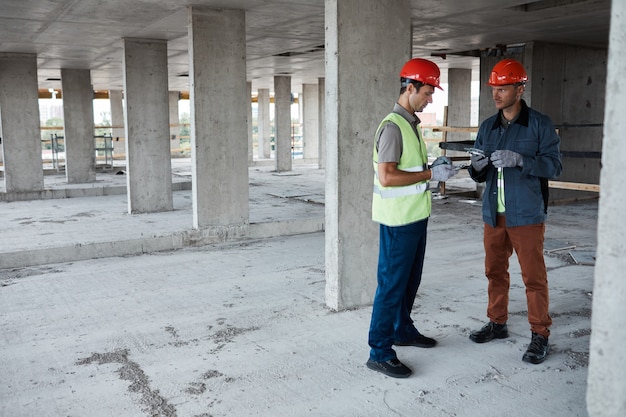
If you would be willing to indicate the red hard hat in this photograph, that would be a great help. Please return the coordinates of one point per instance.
(422, 70)
(507, 71)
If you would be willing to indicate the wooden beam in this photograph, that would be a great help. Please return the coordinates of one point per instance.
(574, 186)
(103, 94)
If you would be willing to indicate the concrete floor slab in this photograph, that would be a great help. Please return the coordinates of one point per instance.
(241, 328)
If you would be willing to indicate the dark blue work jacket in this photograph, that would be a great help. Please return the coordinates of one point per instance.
(525, 188)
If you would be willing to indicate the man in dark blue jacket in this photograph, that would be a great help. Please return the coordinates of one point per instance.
(517, 151)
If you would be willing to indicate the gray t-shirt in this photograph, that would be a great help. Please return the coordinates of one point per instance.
(389, 142)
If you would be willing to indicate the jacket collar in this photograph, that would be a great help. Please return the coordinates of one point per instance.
(522, 118)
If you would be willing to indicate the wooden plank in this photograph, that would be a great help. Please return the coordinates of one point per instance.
(574, 186)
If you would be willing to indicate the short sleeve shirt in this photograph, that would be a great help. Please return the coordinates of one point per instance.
(389, 142)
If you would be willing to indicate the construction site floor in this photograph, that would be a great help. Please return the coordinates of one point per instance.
(242, 328)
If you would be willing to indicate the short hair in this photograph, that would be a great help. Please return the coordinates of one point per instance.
(406, 81)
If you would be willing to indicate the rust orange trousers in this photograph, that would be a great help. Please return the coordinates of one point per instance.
(527, 241)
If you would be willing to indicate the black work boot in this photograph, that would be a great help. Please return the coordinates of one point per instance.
(537, 350)
(489, 332)
(393, 368)
(419, 341)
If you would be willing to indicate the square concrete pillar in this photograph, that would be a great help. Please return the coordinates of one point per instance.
(376, 53)
(219, 108)
(282, 122)
(310, 121)
(263, 124)
(249, 124)
(606, 392)
(117, 121)
(19, 123)
(80, 153)
(321, 101)
(174, 96)
(148, 160)
(459, 102)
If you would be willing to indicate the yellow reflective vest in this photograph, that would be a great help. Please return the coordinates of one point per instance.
(402, 205)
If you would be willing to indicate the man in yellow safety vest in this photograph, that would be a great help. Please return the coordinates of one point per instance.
(401, 203)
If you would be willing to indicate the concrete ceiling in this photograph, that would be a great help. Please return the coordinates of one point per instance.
(284, 37)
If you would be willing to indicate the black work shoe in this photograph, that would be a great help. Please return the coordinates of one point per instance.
(537, 350)
(393, 368)
(489, 332)
(420, 341)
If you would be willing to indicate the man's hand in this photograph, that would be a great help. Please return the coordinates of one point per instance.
(479, 162)
(503, 158)
(443, 172)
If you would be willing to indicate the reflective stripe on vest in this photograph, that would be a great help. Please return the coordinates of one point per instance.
(392, 192)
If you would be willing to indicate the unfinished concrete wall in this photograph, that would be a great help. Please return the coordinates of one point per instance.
(568, 84)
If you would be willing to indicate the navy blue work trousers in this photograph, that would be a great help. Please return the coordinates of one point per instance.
(400, 263)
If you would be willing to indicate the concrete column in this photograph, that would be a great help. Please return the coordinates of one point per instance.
(606, 385)
(174, 96)
(298, 125)
(80, 162)
(264, 150)
(250, 147)
(376, 54)
(117, 120)
(282, 121)
(459, 102)
(148, 160)
(219, 102)
(310, 120)
(459, 108)
(19, 121)
(321, 101)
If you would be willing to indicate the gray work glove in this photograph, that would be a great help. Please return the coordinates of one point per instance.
(479, 162)
(443, 172)
(503, 158)
(441, 160)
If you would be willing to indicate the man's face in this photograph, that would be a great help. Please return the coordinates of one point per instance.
(504, 96)
(419, 99)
